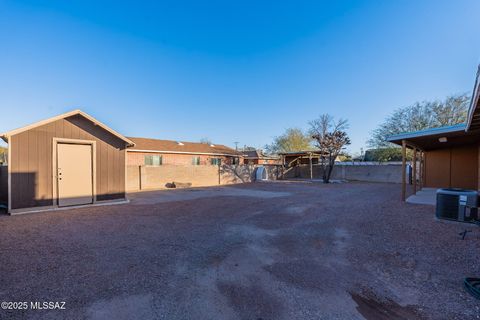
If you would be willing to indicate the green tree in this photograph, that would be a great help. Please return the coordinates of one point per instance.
(248, 148)
(294, 139)
(419, 116)
(384, 154)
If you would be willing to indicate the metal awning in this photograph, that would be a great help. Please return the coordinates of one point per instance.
(437, 138)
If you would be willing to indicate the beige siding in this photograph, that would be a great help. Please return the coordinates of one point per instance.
(452, 168)
(31, 161)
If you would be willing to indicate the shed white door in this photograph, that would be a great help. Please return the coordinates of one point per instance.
(74, 174)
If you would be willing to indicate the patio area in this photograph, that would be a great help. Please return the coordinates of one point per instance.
(425, 196)
(280, 250)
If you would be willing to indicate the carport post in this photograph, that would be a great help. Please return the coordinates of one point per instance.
(311, 169)
(421, 170)
(414, 170)
(404, 169)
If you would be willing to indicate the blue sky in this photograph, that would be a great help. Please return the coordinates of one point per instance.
(232, 70)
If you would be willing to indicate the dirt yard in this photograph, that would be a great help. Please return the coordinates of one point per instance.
(284, 250)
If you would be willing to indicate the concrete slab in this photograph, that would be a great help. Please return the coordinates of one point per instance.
(173, 195)
(426, 196)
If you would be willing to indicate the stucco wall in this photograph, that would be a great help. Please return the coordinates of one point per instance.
(157, 177)
(373, 173)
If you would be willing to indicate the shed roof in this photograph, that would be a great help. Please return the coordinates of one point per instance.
(171, 146)
(6, 135)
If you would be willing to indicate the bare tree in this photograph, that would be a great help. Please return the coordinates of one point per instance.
(330, 139)
(205, 140)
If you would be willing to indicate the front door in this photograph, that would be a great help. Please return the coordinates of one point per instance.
(74, 174)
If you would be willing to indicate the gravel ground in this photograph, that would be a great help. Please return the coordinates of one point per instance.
(284, 250)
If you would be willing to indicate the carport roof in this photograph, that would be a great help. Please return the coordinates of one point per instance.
(5, 136)
(460, 134)
(430, 139)
(427, 132)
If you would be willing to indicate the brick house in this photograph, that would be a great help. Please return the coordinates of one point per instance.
(155, 152)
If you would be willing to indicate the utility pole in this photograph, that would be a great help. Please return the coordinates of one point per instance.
(236, 145)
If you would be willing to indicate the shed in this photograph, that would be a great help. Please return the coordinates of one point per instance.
(68, 160)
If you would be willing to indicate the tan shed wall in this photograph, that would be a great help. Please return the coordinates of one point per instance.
(464, 167)
(437, 169)
(452, 168)
(31, 161)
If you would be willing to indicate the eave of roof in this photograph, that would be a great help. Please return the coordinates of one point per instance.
(475, 101)
(5, 136)
(262, 158)
(184, 152)
(427, 132)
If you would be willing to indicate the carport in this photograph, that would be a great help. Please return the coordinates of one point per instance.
(444, 157)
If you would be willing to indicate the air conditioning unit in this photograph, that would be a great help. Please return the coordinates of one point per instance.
(457, 204)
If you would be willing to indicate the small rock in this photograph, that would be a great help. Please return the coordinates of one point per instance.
(410, 263)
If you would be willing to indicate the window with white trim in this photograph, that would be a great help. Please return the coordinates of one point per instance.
(153, 160)
(195, 160)
(216, 161)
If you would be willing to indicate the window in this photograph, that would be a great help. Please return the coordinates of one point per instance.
(216, 161)
(235, 160)
(196, 161)
(153, 160)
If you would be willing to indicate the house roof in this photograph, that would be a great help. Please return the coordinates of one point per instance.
(5, 136)
(252, 154)
(257, 154)
(171, 146)
(473, 119)
(300, 153)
